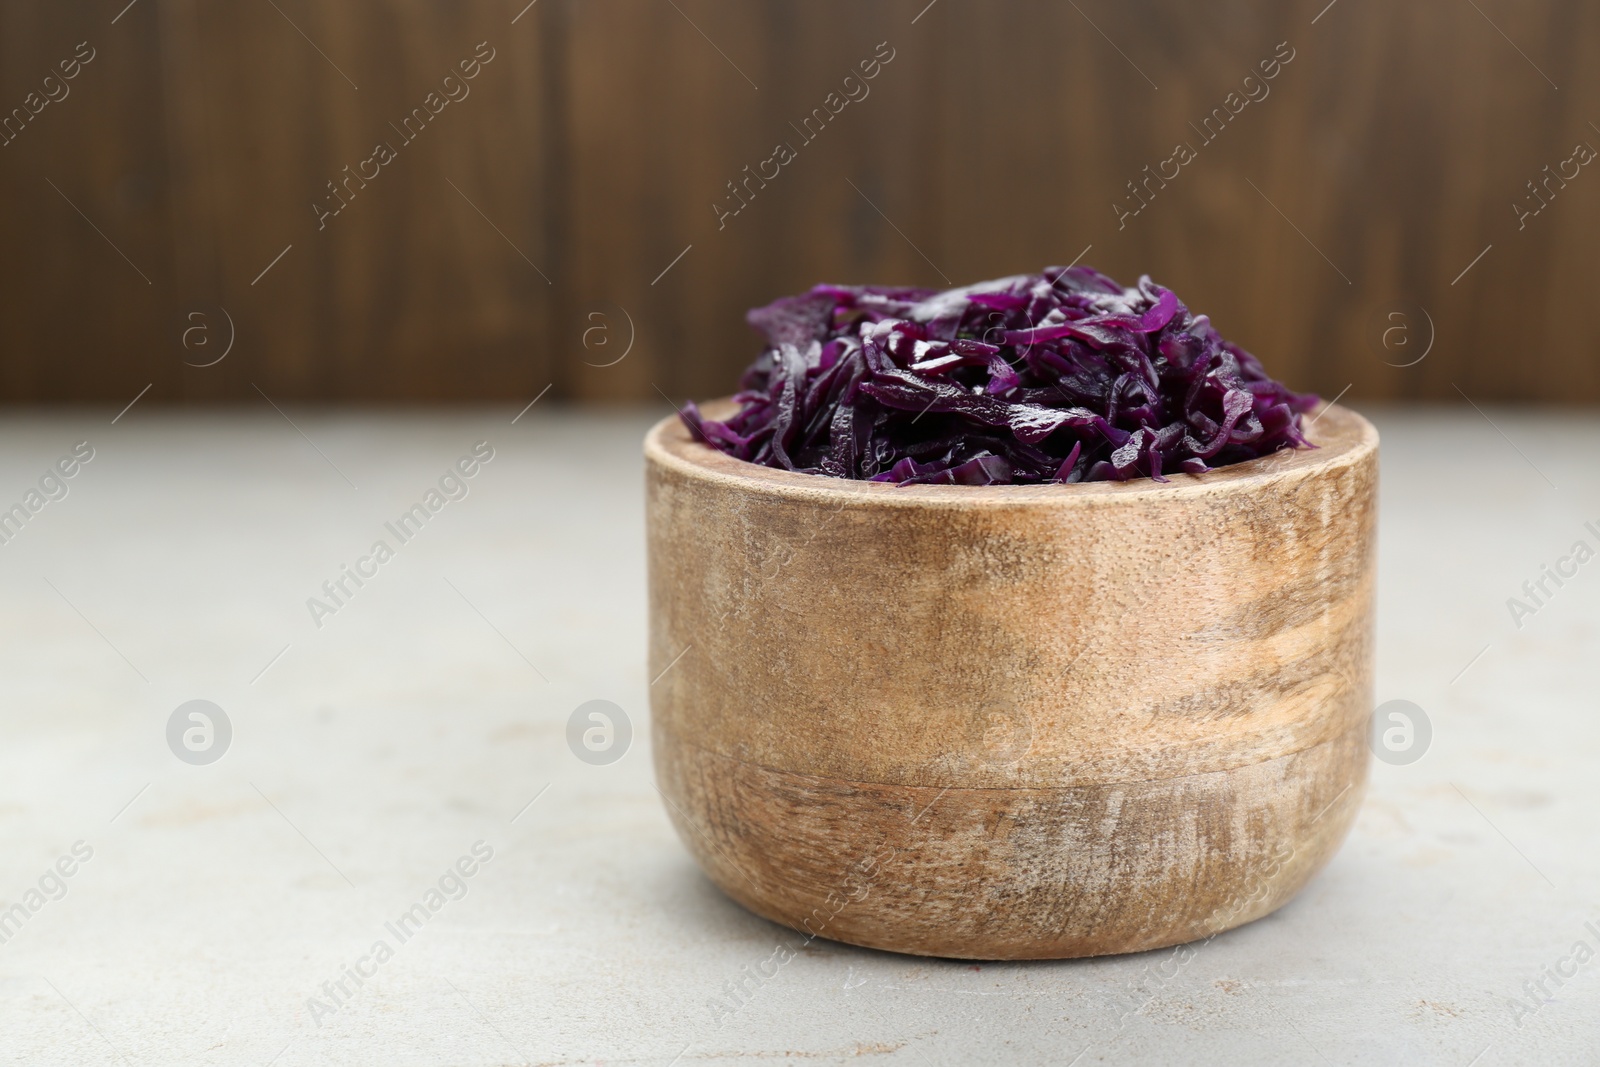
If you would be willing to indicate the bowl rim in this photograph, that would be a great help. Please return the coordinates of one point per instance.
(1342, 436)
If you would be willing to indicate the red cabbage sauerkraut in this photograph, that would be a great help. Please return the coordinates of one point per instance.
(1063, 376)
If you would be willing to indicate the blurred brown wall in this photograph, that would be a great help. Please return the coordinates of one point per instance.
(190, 151)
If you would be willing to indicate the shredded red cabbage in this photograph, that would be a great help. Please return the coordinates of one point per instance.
(1063, 376)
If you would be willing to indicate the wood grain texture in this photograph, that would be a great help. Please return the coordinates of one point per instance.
(1382, 159)
(74, 313)
(1134, 693)
(1016, 873)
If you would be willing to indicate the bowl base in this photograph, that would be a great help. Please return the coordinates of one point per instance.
(1014, 873)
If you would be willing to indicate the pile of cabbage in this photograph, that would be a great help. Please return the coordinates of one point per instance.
(1064, 376)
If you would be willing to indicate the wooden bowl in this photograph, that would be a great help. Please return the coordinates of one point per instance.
(1013, 722)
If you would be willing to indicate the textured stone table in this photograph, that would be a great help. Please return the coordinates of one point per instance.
(213, 910)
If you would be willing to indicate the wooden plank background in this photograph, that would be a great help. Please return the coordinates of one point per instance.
(524, 239)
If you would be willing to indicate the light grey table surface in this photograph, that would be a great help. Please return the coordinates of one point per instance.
(425, 713)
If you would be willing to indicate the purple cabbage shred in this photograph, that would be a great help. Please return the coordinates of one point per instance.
(1064, 376)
